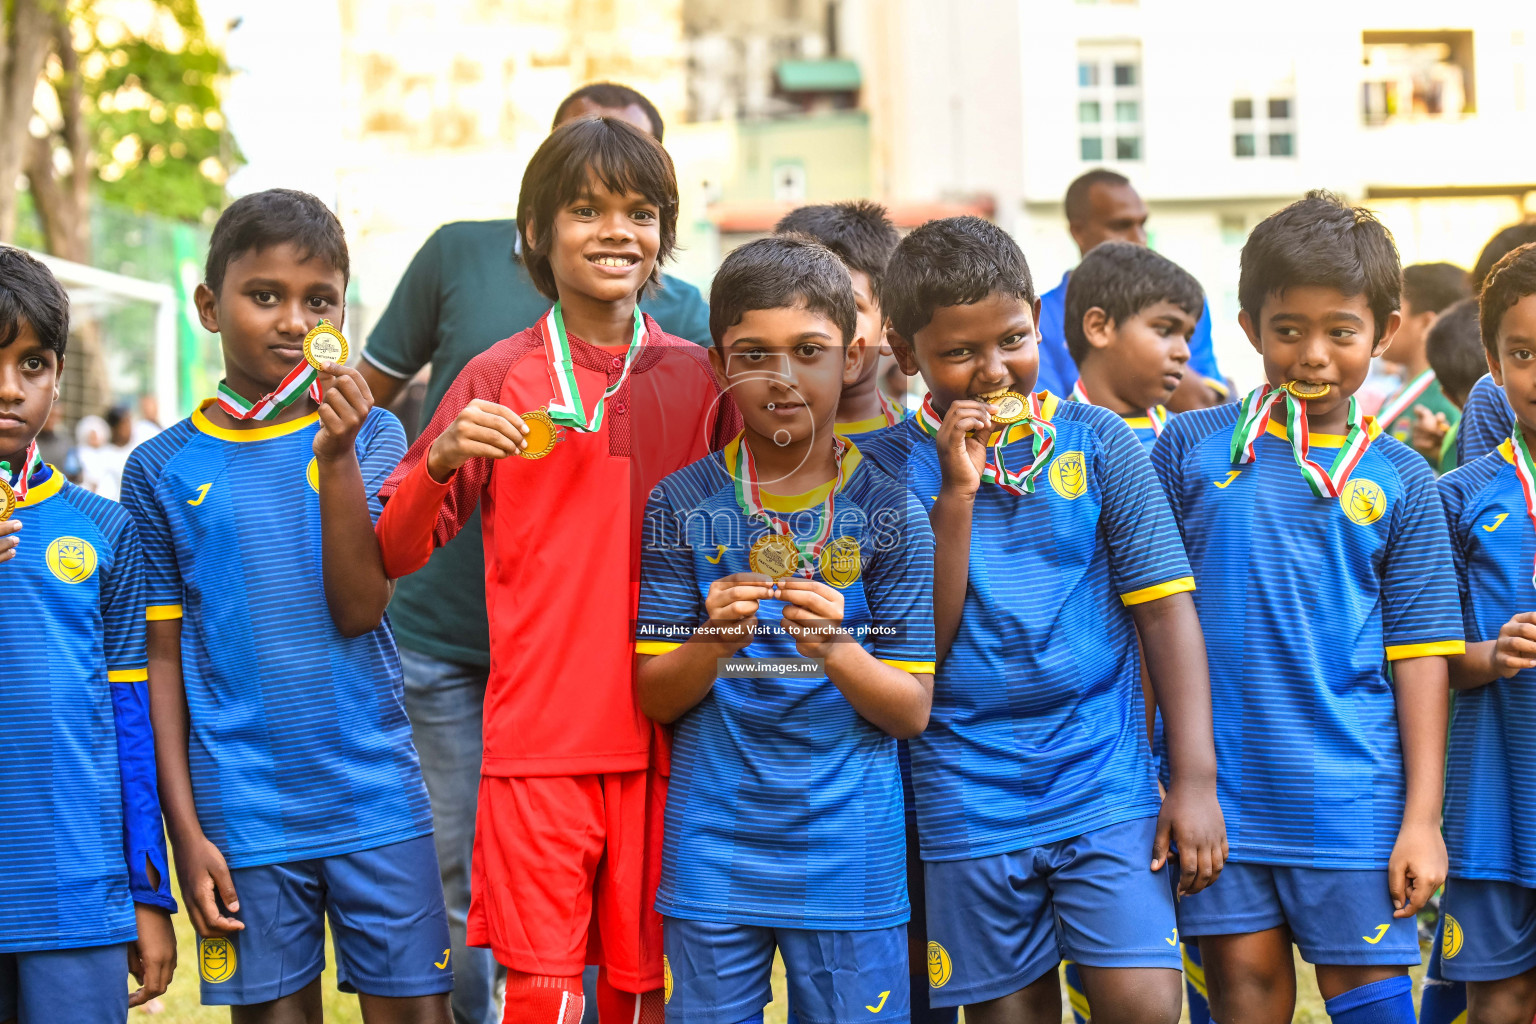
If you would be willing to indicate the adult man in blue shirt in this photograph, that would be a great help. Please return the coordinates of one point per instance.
(1101, 207)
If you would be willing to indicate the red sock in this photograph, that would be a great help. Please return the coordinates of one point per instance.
(616, 1007)
(542, 999)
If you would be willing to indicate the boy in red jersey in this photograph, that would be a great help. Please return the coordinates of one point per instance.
(558, 435)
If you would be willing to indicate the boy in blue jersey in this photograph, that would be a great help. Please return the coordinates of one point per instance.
(292, 790)
(1329, 606)
(1129, 317)
(1042, 831)
(85, 895)
(1488, 937)
(863, 237)
(784, 811)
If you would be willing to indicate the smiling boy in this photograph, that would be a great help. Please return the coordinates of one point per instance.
(557, 434)
(1320, 550)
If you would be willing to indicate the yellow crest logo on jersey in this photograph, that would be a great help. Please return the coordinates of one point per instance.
(312, 474)
(72, 560)
(841, 562)
(216, 959)
(666, 980)
(1363, 501)
(1451, 944)
(1069, 475)
(940, 967)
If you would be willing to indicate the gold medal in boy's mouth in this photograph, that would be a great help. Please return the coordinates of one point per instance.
(1307, 390)
(1011, 407)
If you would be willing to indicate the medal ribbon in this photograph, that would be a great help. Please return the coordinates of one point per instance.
(743, 470)
(1157, 415)
(1404, 399)
(996, 471)
(301, 380)
(1525, 469)
(19, 481)
(567, 408)
(892, 412)
(1253, 419)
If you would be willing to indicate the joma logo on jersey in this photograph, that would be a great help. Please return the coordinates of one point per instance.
(1363, 501)
(72, 560)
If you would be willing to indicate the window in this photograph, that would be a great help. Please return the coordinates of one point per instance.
(1277, 126)
(1242, 144)
(1279, 110)
(1280, 144)
(1416, 76)
(1109, 85)
(1242, 110)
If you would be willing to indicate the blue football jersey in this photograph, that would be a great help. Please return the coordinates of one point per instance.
(1038, 730)
(1490, 779)
(77, 770)
(1304, 601)
(784, 806)
(299, 743)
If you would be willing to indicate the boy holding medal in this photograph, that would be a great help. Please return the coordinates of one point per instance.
(863, 237)
(85, 898)
(784, 812)
(1329, 606)
(1042, 830)
(292, 791)
(558, 434)
(1489, 924)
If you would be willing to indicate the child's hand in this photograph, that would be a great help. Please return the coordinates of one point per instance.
(1515, 648)
(1191, 818)
(1417, 867)
(484, 430)
(962, 445)
(731, 605)
(9, 539)
(152, 956)
(345, 406)
(1429, 430)
(813, 615)
(205, 882)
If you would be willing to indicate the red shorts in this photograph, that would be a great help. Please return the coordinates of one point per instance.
(565, 874)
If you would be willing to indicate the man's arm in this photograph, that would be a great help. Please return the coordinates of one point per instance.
(405, 338)
(384, 387)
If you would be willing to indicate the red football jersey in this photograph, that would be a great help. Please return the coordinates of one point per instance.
(562, 541)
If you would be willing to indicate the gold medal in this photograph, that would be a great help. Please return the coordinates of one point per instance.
(1011, 407)
(324, 344)
(1306, 390)
(543, 434)
(7, 500)
(774, 556)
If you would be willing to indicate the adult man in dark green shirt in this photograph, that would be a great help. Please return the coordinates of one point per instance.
(464, 291)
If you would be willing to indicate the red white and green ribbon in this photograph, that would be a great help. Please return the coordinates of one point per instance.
(1401, 402)
(1042, 433)
(1254, 414)
(749, 495)
(1525, 469)
(301, 380)
(892, 412)
(567, 407)
(1157, 415)
(19, 480)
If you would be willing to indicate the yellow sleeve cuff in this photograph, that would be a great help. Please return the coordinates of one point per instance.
(915, 667)
(127, 675)
(655, 647)
(1182, 585)
(161, 612)
(1442, 648)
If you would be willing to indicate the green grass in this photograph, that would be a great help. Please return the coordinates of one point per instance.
(180, 1004)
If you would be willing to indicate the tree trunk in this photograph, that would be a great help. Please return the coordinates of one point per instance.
(64, 198)
(24, 44)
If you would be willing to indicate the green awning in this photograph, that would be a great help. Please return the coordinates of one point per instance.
(818, 75)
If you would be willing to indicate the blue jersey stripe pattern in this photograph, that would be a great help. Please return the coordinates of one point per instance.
(1038, 730)
(1300, 598)
(73, 600)
(299, 743)
(1490, 783)
(784, 806)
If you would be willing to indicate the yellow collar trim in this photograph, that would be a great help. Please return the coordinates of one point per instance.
(852, 459)
(39, 493)
(864, 426)
(201, 421)
(1372, 430)
(1507, 449)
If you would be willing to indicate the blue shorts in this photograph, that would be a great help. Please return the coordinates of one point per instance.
(65, 986)
(996, 924)
(1488, 930)
(387, 923)
(1339, 917)
(719, 973)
